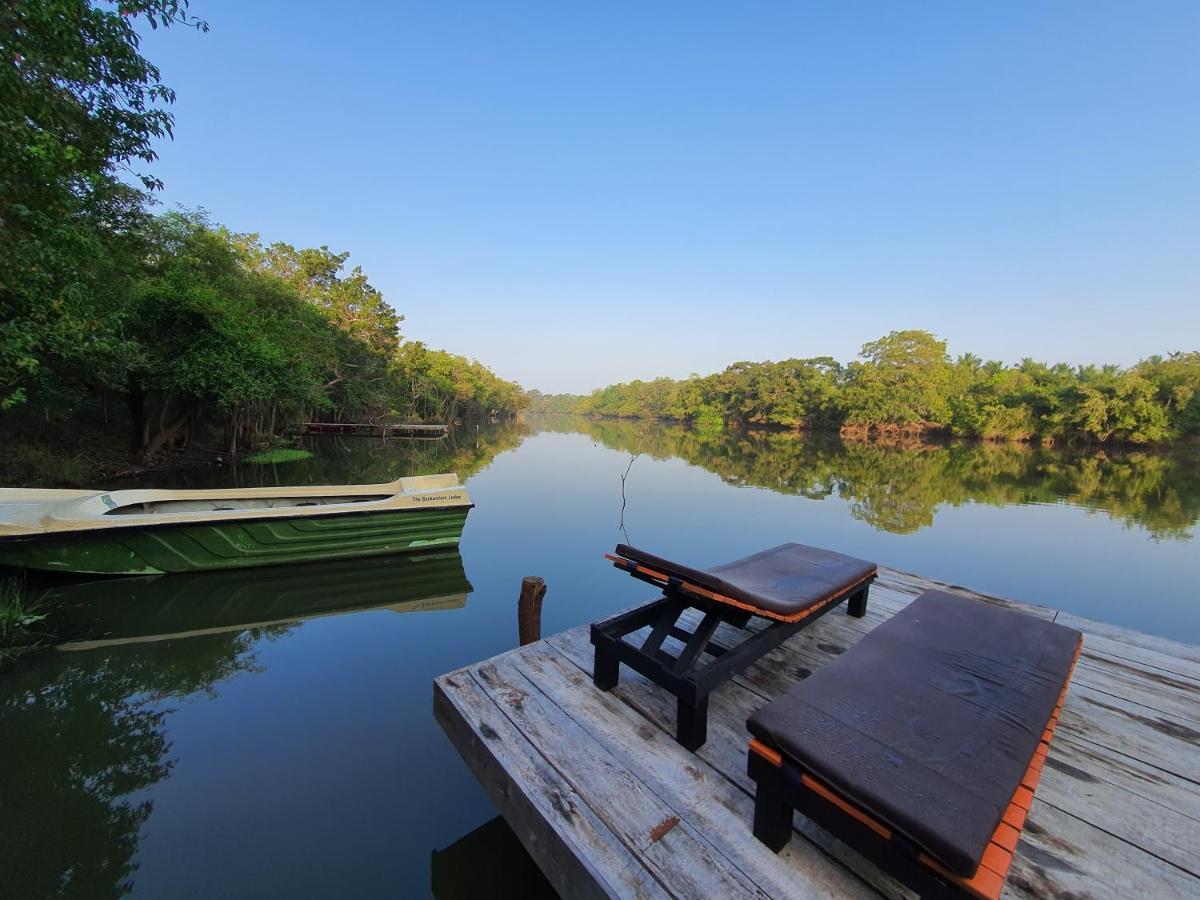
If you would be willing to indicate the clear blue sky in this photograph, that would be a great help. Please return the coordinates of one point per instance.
(578, 193)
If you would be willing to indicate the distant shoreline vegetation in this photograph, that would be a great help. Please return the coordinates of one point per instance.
(906, 385)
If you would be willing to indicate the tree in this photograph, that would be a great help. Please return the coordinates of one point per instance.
(1176, 380)
(902, 380)
(367, 329)
(81, 107)
(217, 339)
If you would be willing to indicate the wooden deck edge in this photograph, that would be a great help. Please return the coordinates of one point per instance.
(566, 867)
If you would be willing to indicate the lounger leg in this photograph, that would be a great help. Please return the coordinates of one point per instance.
(738, 619)
(606, 670)
(772, 816)
(691, 723)
(857, 604)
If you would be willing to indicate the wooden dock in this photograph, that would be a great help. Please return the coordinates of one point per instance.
(608, 804)
(374, 429)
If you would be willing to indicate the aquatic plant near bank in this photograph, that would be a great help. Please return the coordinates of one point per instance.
(19, 613)
(279, 455)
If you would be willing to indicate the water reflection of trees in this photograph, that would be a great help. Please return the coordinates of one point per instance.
(361, 460)
(80, 737)
(898, 488)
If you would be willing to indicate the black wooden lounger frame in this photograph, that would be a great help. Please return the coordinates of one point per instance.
(687, 676)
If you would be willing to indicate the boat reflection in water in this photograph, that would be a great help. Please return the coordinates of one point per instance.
(85, 736)
(112, 611)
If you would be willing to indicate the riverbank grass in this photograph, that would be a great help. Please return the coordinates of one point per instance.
(19, 612)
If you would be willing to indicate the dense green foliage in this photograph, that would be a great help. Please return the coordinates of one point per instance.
(219, 333)
(906, 383)
(115, 320)
(80, 108)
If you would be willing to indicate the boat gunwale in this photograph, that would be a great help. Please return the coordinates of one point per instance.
(126, 526)
(92, 512)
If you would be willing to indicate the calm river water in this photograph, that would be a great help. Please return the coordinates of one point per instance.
(269, 734)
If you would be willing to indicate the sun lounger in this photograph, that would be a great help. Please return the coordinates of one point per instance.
(788, 587)
(922, 745)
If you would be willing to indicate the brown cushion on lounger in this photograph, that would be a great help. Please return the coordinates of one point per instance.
(931, 720)
(785, 580)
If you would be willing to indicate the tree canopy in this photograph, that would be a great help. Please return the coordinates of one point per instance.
(215, 330)
(906, 383)
(81, 108)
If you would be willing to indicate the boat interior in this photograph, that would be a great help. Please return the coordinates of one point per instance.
(238, 504)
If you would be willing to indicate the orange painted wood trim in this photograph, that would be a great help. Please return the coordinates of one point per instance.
(772, 756)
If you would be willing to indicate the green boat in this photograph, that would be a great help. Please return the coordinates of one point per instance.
(150, 532)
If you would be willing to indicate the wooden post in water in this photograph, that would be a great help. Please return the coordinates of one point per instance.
(529, 609)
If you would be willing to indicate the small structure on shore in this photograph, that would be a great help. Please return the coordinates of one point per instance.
(376, 429)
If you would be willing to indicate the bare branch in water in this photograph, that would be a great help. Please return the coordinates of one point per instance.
(632, 460)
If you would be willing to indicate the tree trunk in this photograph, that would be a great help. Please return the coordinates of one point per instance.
(233, 427)
(135, 398)
(164, 437)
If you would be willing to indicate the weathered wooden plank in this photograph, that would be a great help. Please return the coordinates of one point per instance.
(901, 582)
(678, 857)
(1164, 646)
(686, 782)
(1157, 739)
(725, 751)
(1149, 661)
(1156, 691)
(1100, 789)
(1060, 856)
(906, 582)
(574, 849)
